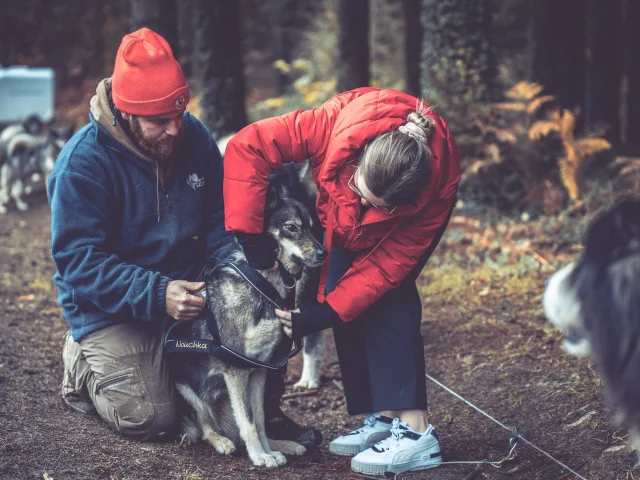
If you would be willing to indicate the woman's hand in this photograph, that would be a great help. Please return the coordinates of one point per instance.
(285, 320)
(309, 318)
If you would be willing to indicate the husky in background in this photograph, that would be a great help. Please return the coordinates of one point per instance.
(27, 158)
(596, 303)
(226, 402)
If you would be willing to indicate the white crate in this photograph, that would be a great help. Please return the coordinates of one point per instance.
(26, 94)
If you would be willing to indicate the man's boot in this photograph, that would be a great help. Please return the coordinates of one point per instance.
(278, 425)
(74, 389)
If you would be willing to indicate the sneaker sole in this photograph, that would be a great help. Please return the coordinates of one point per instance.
(384, 470)
(345, 450)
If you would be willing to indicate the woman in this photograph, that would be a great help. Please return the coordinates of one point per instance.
(387, 172)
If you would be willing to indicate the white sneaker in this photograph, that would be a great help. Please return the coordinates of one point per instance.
(376, 427)
(404, 450)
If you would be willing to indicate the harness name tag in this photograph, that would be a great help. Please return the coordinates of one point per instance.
(191, 345)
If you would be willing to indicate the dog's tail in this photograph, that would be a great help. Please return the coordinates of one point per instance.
(22, 142)
(10, 132)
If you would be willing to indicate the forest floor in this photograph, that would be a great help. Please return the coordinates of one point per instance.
(485, 337)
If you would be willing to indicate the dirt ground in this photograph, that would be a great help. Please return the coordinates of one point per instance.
(485, 337)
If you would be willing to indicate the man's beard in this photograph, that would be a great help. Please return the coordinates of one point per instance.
(159, 149)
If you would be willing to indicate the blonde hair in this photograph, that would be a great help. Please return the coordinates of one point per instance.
(395, 164)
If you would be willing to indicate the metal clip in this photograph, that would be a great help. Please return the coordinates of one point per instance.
(514, 433)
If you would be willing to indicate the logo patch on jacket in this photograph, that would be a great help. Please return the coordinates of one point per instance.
(194, 181)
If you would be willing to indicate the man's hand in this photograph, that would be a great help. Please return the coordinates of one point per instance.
(181, 303)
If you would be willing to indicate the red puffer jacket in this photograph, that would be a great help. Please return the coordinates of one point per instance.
(332, 137)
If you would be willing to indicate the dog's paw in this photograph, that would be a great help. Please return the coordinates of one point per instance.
(225, 446)
(268, 460)
(287, 447)
(310, 383)
(3, 210)
(222, 444)
(280, 458)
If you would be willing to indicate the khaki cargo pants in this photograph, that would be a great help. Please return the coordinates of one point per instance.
(127, 377)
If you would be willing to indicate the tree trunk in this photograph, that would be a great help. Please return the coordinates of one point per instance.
(458, 58)
(603, 66)
(353, 44)
(558, 45)
(286, 36)
(185, 35)
(630, 81)
(219, 65)
(158, 15)
(413, 45)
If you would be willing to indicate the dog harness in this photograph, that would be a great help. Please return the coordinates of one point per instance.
(214, 346)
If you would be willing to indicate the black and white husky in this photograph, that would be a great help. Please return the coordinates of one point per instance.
(596, 303)
(227, 403)
(24, 158)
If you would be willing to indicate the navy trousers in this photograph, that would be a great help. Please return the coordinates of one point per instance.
(381, 353)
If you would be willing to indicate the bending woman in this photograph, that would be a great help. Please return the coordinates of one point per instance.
(387, 172)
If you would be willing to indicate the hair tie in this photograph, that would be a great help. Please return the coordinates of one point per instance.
(414, 131)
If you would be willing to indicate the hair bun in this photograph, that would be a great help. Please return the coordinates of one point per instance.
(418, 126)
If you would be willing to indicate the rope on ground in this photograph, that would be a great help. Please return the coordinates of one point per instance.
(480, 463)
(518, 436)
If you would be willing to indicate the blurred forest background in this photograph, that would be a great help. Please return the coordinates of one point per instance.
(543, 96)
(544, 100)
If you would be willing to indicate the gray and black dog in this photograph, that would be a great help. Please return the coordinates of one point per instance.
(226, 402)
(298, 184)
(596, 303)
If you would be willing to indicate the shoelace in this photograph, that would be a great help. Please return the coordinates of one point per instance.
(369, 421)
(397, 432)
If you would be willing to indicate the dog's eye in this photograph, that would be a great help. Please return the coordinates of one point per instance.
(291, 227)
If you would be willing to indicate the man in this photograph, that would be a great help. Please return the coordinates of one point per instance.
(137, 211)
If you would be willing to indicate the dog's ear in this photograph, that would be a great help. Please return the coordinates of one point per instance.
(61, 132)
(615, 233)
(303, 170)
(66, 132)
(273, 199)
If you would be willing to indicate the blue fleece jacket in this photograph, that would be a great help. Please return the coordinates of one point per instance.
(118, 237)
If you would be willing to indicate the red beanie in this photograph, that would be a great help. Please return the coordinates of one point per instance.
(147, 80)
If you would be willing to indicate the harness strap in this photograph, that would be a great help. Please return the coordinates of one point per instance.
(214, 347)
(328, 240)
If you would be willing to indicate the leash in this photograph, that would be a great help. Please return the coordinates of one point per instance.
(214, 346)
(514, 436)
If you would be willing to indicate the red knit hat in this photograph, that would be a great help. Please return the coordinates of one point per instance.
(147, 80)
